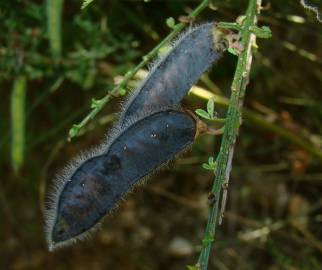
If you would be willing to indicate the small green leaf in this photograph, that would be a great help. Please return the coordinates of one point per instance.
(122, 92)
(171, 22)
(202, 113)
(233, 51)
(95, 103)
(210, 107)
(211, 160)
(86, 3)
(206, 166)
(208, 239)
(211, 165)
(240, 20)
(73, 132)
(261, 32)
(145, 58)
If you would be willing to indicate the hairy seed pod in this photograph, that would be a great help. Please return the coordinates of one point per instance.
(173, 75)
(94, 185)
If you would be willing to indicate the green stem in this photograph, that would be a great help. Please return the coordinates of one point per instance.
(54, 10)
(99, 104)
(233, 121)
(18, 100)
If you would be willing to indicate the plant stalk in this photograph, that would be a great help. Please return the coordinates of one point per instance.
(232, 123)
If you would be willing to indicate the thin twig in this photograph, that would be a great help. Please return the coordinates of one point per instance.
(97, 105)
(232, 123)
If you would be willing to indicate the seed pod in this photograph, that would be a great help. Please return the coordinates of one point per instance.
(94, 185)
(172, 76)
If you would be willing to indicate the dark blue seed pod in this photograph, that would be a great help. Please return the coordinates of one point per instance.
(172, 76)
(93, 187)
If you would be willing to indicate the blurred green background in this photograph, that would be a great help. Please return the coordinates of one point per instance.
(55, 57)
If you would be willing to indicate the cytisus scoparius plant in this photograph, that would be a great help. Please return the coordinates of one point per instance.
(153, 128)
